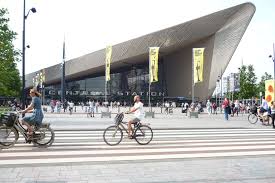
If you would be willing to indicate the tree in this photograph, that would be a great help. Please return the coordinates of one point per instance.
(248, 86)
(261, 85)
(9, 56)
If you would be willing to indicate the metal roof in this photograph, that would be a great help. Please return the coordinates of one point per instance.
(135, 50)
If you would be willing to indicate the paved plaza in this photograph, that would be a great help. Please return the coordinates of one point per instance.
(205, 149)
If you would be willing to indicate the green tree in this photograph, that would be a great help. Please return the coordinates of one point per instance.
(248, 86)
(261, 85)
(9, 56)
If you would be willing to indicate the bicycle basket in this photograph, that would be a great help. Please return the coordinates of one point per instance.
(119, 117)
(8, 119)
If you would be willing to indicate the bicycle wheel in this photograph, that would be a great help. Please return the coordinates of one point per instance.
(112, 135)
(252, 118)
(143, 134)
(43, 137)
(8, 136)
(267, 121)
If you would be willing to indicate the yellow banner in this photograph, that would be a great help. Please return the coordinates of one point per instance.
(153, 62)
(108, 63)
(198, 64)
(269, 91)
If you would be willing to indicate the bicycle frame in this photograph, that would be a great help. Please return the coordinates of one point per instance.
(17, 125)
(122, 127)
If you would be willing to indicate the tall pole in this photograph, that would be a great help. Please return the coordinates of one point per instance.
(274, 60)
(149, 93)
(106, 90)
(193, 90)
(221, 91)
(23, 59)
(216, 93)
(63, 89)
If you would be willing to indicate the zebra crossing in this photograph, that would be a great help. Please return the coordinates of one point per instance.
(89, 147)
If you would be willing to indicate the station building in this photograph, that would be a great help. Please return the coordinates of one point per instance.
(219, 33)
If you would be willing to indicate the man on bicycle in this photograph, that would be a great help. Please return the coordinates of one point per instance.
(138, 113)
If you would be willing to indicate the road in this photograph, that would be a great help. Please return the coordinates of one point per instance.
(174, 155)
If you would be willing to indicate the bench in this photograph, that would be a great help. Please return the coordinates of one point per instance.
(195, 114)
(150, 114)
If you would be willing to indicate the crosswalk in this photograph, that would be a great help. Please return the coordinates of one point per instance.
(88, 147)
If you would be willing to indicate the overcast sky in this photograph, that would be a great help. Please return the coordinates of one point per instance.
(90, 25)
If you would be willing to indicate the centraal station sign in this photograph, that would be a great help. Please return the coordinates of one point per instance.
(95, 93)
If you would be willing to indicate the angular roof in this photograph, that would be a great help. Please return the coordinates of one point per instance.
(136, 50)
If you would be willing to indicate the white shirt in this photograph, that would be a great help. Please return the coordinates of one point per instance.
(71, 104)
(139, 110)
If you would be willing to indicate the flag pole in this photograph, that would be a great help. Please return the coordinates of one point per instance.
(106, 88)
(63, 75)
(193, 89)
(150, 110)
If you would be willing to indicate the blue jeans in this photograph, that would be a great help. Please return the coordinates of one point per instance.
(226, 115)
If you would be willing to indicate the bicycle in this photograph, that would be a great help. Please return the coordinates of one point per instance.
(113, 135)
(253, 118)
(11, 127)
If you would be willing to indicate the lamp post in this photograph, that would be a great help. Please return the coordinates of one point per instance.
(33, 10)
(273, 59)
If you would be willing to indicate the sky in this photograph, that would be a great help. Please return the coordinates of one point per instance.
(90, 25)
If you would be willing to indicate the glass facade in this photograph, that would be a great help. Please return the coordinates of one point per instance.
(124, 84)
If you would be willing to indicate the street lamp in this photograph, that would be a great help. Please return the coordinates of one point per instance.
(33, 10)
(273, 59)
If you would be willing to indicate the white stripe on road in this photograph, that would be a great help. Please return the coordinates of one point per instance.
(169, 133)
(169, 136)
(127, 142)
(134, 151)
(141, 147)
(135, 157)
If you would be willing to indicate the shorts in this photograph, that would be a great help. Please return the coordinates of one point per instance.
(135, 120)
(262, 110)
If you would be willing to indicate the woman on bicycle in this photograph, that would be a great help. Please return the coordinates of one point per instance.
(36, 108)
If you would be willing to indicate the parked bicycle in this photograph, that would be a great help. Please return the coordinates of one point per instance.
(253, 117)
(43, 135)
(113, 135)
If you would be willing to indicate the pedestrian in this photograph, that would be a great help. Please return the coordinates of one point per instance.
(214, 106)
(232, 109)
(208, 107)
(52, 106)
(65, 105)
(58, 106)
(92, 108)
(226, 107)
(272, 111)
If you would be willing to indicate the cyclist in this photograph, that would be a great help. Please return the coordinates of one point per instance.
(264, 107)
(138, 113)
(36, 108)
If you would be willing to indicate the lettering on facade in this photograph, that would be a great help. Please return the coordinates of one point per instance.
(96, 93)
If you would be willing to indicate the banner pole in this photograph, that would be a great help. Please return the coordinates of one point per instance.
(149, 93)
(105, 90)
(193, 89)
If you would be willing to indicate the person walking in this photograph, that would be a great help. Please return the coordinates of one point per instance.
(214, 107)
(208, 107)
(226, 107)
(272, 111)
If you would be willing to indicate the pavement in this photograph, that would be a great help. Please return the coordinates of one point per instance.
(205, 150)
(80, 120)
